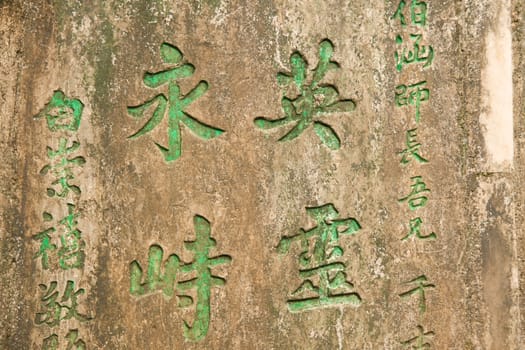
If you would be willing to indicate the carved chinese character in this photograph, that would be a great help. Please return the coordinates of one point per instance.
(412, 95)
(174, 102)
(415, 198)
(412, 150)
(325, 279)
(62, 113)
(73, 342)
(53, 310)
(166, 277)
(417, 54)
(415, 230)
(418, 13)
(420, 290)
(421, 341)
(61, 167)
(313, 101)
(70, 253)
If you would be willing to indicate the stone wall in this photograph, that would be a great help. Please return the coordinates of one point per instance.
(230, 174)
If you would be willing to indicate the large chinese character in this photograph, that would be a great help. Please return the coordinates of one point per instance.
(421, 341)
(418, 13)
(325, 280)
(415, 198)
(417, 54)
(165, 277)
(174, 102)
(412, 95)
(313, 101)
(61, 167)
(62, 113)
(412, 150)
(419, 289)
(54, 311)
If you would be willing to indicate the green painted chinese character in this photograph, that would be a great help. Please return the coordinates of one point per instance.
(419, 289)
(156, 279)
(168, 280)
(46, 244)
(324, 276)
(175, 103)
(415, 200)
(412, 95)
(314, 100)
(54, 311)
(71, 253)
(418, 13)
(418, 54)
(412, 150)
(73, 343)
(205, 280)
(62, 113)
(50, 343)
(420, 341)
(61, 167)
(415, 230)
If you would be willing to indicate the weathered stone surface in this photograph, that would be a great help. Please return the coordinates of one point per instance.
(231, 179)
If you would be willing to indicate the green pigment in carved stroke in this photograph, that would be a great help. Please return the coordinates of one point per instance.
(62, 113)
(175, 103)
(314, 101)
(325, 280)
(197, 275)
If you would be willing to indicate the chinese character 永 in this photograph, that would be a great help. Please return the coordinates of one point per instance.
(174, 102)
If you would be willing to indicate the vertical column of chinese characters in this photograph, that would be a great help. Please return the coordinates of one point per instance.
(308, 100)
(61, 247)
(188, 284)
(414, 55)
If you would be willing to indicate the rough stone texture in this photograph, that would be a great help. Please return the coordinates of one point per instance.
(253, 189)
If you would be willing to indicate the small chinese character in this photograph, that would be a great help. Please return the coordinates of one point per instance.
(415, 200)
(418, 13)
(53, 311)
(419, 53)
(176, 104)
(71, 253)
(415, 229)
(419, 342)
(314, 101)
(50, 343)
(73, 343)
(62, 113)
(45, 242)
(412, 95)
(61, 166)
(420, 289)
(412, 150)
